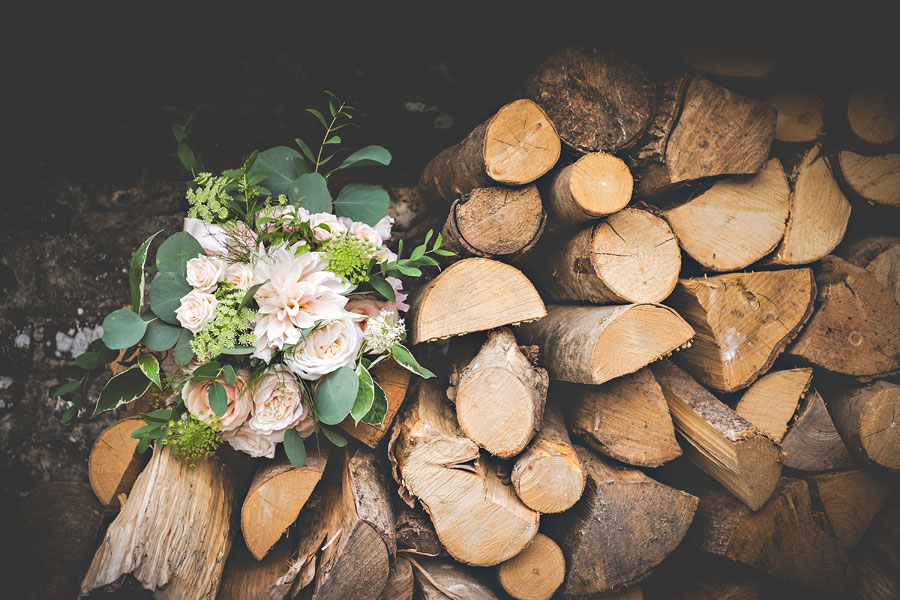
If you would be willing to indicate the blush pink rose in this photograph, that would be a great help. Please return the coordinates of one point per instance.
(369, 307)
(196, 399)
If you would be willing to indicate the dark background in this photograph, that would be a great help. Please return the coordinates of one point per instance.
(90, 92)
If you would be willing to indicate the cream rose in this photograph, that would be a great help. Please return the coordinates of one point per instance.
(277, 404)
(383, 227)
(326, 349)
(385, 255)
(320, 234)
(204, 273)
(249, 442)
(196, 400)
(212, 238)
(239, 275)
(364, 232)
(369, 307)
(196, 310)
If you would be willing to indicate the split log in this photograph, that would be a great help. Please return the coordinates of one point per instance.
(631, 256)
(819, 213)
(476, 513)
(874, 178)
(277, 493)
(850, 500)
(716, 132)
(771, 401)
(536, 572)
(445, 580)
(866, 419)
(246, 577)
(593, 344)
(496, 295)
(173, 533)
(626, 418)
(500, 396)
(720, 442)
(114, 463)
(514, 147)
(743, 322)
(394, 380)
(495, 222)
(415, 531)
(880, 256)
(595, 185)
(624, 525)
(401, 585)
(812, 443)
(547, 476)
(856, 327)
(598, 101)
(782, 539)
(799, 116)
(874, 115)
(736, 222)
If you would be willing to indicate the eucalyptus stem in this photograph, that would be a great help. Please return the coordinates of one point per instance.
(327, 133)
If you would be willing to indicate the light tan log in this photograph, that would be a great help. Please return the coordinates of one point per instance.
(173, 533)
(547, 476)
(402, 582)
(595, 185)
(743, 322)
(514, 147)
(819, 213)
(624, 525)
(277, 493)
(736, 222)
(866, 418)
(850, 500)
(856, 327)
(441, 579)
(593, 344)
(631, 256)
(476, 514)
(536, 572)
(799, 116)
(874, 178)
(812, 443)
(771, 401)
(723, 444)
(500, 396)
(114, 463)
(246, 577)
(496, 294)
(627, 418)
(880, 256)
(782, 539)
(394, 380)
(874, 115)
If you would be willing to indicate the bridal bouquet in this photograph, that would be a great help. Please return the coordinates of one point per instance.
(267, 314)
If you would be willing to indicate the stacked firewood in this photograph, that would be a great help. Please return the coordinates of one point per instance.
(661, 372)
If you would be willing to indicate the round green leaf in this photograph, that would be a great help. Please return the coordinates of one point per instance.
(175, 252)
(165, 296)
(218, 398)
(228, 375)
(294, 448)
(335, 395)
(280, 166)
(311, 192)
(161, 336)
(362, 202)
(183, 350)
(123, 328)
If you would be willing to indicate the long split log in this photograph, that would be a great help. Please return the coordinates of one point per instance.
(536, 572)
(866, 418)
(850, 499)
(114, 463)
(771, 401)
(812, 443)
(394, 380)
(595, 185)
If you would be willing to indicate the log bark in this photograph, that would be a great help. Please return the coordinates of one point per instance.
(536, 572)
(476, 514)
(850, 499)
(866, 419)
(277, 493)
(247, 577)
(880, 256)
(721, 443)
(771, 401)
(401, 583)
(173, 533)
(514, 147)
(876, 179)
(114, 463)
(856, 327)
(595, 185)
(547, 476)
(631, 256)
(743, 322)
(496, 295)
(598, 101)
(819, 213)
(593, 344)
(736, 222)
(626, 418)
(415, 531)
(445, 580)
(624, 525)
(394, 380)
(495, 222)
(799, 116)
(812, 443)
(500, 396)
(874, 115)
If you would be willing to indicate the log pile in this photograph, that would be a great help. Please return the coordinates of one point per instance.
(670, 356)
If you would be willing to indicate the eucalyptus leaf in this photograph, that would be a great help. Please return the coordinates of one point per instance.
(377, 413)
(370, 155)
(305, 150)
(294, 448)
(184, 353)
(335, 395)
(406, 360)
(218, 398)
(248, 295)
(319, 116)
(384, 288)
(278, 163)
(165, 296)
(123, 388)
(207, 371)
(228, 375)
(334, 437)
(122, 329)
(365, 395)
(239, 350)
(161, 336)
(310, 191)
(175, 252)
(362, 202)
(150, 366)
(136, 274)
(186, 156)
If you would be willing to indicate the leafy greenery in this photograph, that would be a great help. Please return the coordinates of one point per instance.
(122, 329)
(127, 386)
(174, 253)
(365, 395)
(406, 360)
(136, 274)
(362, 202)
(294, 448)
(335, 395)
(227, 329)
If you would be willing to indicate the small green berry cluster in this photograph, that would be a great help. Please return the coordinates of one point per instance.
(192, 440)
(229, 327)
(208, 199)
(348, 257)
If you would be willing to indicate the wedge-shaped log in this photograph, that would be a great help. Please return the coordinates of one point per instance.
(496, 294)
(441, 579)
(394, 380)
(624, 525)
(743, 322)
(880, 256)
(799, 116)
(875, 178)
(114, 463)
(536, 572)
(773, 399)
(866, 418)
(627, 418)
(475, 511)
(593, 344)
(246, 577)
(812, 443)
(720, 442)
(514, 147)
(595, 185)
(850, 499)
(401, 585)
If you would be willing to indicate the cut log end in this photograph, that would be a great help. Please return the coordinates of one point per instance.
(596, 185)
(114, 464)
(813, 443)
(850, 498)
(536, 572)
(520, 144)
(874, 178)
(799, 116)
(773, 399)
(874, 115)
(866, 418)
